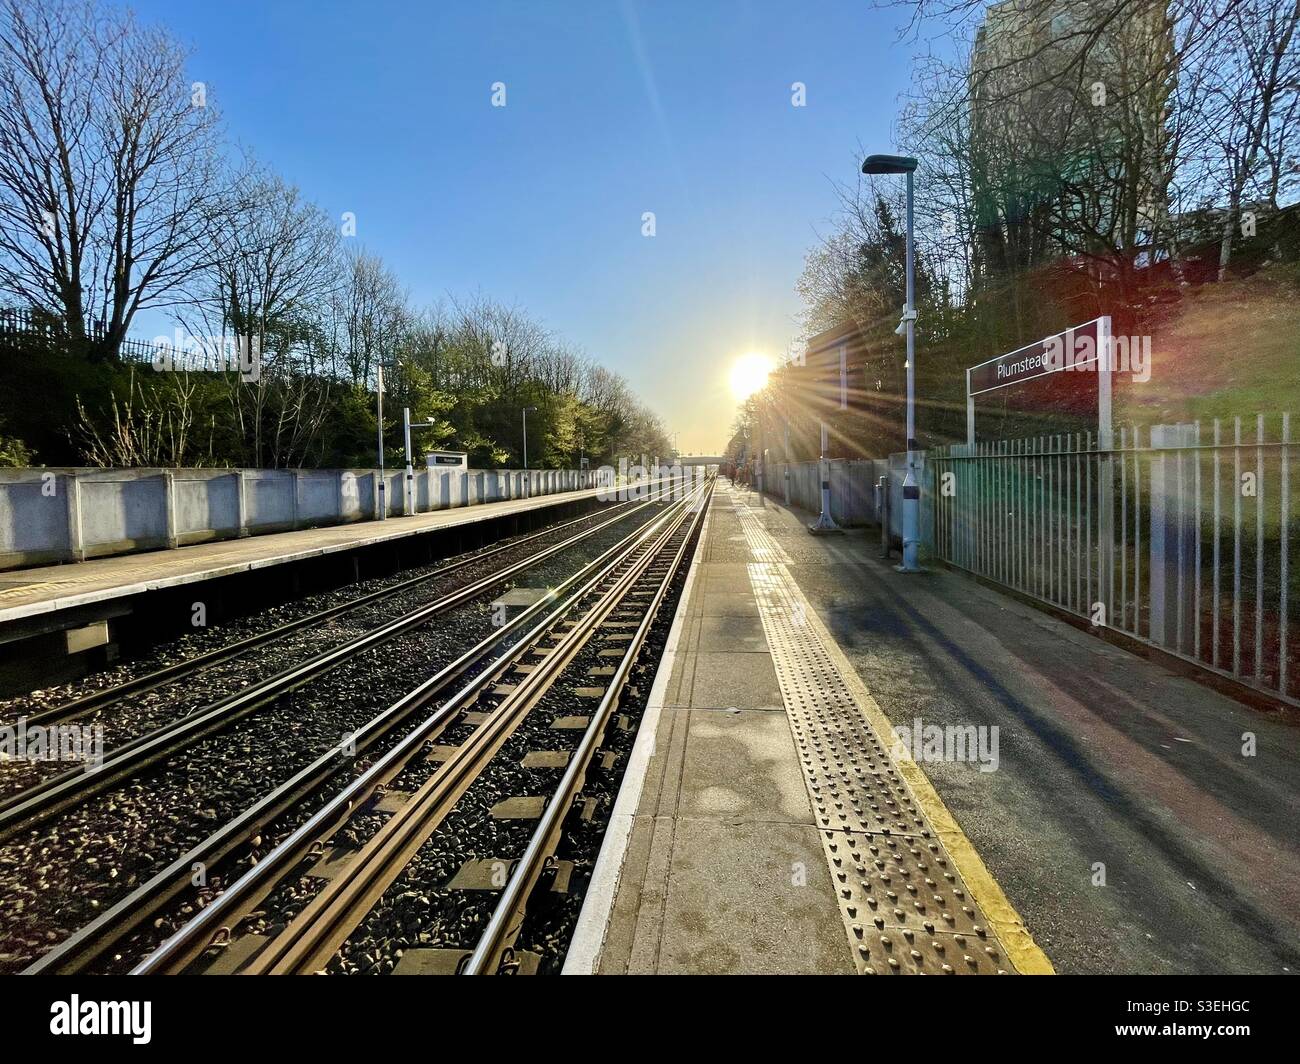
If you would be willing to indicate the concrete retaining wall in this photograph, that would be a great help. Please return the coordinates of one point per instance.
(59, 515)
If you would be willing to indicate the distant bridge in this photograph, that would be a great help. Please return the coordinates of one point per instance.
(699, 459)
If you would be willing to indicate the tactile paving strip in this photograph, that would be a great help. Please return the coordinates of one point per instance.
(905, 907)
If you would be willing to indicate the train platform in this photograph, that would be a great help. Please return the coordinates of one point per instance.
(51, 588)
(1105, 815)
(766, 825)
(60, 622)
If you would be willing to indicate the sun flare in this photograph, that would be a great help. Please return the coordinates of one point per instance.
(749, 375)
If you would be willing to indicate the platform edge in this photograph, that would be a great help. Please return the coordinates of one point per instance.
(588, 942)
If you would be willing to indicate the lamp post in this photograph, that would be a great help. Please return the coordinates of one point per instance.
(825, 524)
(785, 442)
(379, 418)
(408, 505)
(527, 485)
(902, 164)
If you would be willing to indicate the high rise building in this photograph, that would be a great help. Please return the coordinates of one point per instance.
(1068, 110)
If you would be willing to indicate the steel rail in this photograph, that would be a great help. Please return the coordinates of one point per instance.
(493, 952)
(34, 804)
(168, 673)
(94, 939)
(225, 911)
(315, 934)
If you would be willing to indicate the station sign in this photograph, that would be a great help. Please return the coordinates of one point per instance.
(446, 460)
(1075, 349)
(1085, 347)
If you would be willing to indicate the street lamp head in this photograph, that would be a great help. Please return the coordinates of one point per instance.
(530, 410)
(889, 164)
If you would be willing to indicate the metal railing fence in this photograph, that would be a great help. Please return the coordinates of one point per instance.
(1177, 535)
(19, 322)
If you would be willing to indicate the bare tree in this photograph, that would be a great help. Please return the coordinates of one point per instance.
(426, 341)
(108, 167)
(936, 127)
(509, 341)
(273, 273)
(370, 314)
(1253, 79)
(1098, 122)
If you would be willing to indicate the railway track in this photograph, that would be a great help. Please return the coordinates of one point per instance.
(239, 839)
(48, 796)
(495, 952)
(74, 709)
(360, 843)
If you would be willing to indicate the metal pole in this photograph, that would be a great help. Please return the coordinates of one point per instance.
(824, 523)
(786, 455)
(379, 417)
(911, 485)
(408, 505)
(882, 509)
(1106, 469)
(970, 414)
(525, 452)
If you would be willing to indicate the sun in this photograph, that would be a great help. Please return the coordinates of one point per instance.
(749, 375)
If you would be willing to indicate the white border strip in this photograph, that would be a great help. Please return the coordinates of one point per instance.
(598, 906)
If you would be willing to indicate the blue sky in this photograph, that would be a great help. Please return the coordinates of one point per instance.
(383, 108)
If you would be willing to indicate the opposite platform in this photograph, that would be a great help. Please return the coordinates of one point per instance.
(52, 588)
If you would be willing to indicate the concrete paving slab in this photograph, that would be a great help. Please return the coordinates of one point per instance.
(738, 898)
(732, 549)
(636, 910)
(722, 869)
(662, 785)
(727, 604)
(730, 633)
(724, 576)
(742, 764)
(745, 680)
